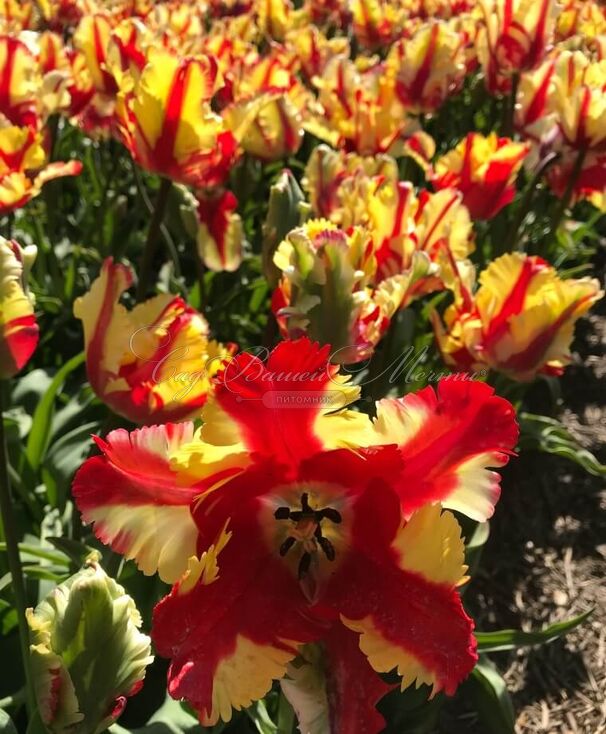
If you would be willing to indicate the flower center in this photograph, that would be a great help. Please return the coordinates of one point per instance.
(307, 530)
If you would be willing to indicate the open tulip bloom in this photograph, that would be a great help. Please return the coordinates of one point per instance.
(296, 529)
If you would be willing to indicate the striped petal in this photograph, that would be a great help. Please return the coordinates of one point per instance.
(135, 502)
(448, 438)
(401, 598)
(220, 232)
(282, 408)
(236, 618)
(18, 327)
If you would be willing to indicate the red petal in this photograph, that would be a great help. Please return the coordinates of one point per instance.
(448, 438)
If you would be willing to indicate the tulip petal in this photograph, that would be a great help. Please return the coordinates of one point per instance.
(264, 406)
(236, 619)
(134, 500)
(333, 688)
(402, 599)
(448, 439)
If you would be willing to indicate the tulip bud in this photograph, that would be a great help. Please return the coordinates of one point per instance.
(87, 653)
(18, 328)
(287, 210)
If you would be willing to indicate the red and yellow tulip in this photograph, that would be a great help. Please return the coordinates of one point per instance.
(520, 321)
(276, 534)
(167, 123)
(516, 37)
(351, 190)
(579, 100)
(153, 363)
(220, 234)
(484, 170)
(15, 15)
(19, 84)
(428, 67)
(266, 114)
(23, 167)
(18, 327)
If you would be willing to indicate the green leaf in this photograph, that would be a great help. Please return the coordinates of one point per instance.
(260, 717)
(502, 640)
(63, 459)
(170, 718)
(540, 433)
(40, 433)
(6, 724)
(26, 550)
(488, 692)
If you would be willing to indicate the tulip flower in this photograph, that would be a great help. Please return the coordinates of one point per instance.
(153, 363)
(360, 110)
(588, 180)
(87, 653)
(484, 170)
(520, 322)
(19, 84)
(266, 114)
(326, 291)
(579, 100)
(220, 233)
(350, 190)
(291, 520)
(23, 167)
(19, 330)
(403, 225)
(167, 124)
(15, 16)
(314, 50)
(376, 24)
(586, 19)
(428, 67)
(516, 37)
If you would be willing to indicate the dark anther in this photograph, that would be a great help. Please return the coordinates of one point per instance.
(327, 547)
(287, 545)
(306, 512)
(304, 565)
(331, 514)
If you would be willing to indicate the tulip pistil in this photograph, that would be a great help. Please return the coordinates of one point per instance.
(308, 531)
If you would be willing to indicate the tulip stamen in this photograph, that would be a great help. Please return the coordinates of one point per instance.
(308, 531)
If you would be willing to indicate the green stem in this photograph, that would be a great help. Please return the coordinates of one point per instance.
(14, 561)
(510, 107)
(526, 202)
(153, 236)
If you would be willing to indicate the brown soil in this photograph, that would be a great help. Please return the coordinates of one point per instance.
(546, 560)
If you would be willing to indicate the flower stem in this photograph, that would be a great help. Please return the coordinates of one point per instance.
(12, 553)
(510, 107)
(567, 198)
(153, 236)
(526, 202)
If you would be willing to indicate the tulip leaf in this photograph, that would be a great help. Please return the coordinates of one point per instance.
(40, 433)
(540, 433)
(6, 724)
(260, 717)
(487, 690)
(502, 640)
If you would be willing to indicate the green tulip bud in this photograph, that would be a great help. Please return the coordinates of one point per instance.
(87, 653)
(287, 210)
